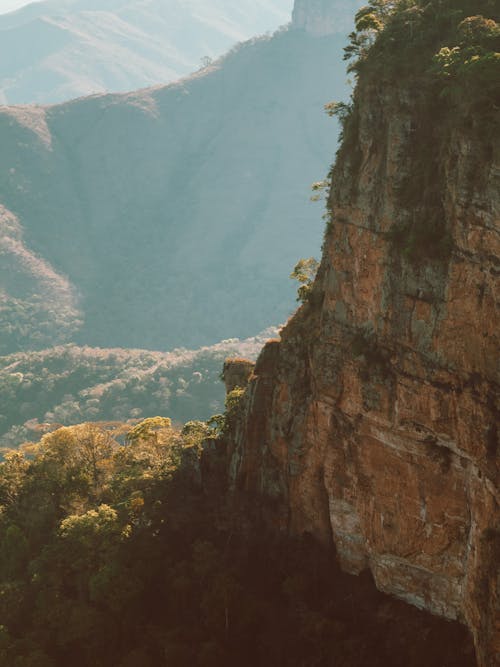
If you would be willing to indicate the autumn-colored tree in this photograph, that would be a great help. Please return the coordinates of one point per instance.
(305, 272)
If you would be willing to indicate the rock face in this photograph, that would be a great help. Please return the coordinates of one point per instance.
(237, 373)
(374, 422)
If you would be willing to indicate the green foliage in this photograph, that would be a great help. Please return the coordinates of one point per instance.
(194, 432)
(233, 402)
(304, 272)
(151, 428)
(445, 54)
(221, 425)
(369, 21)
(472, 66)
(339, 110)
(319, 187)
(68, 515)
(344, 113)
(69, 384)
(217, 425)
(140, 566)
(455, 41)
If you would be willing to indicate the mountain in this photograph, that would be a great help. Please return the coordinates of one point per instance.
(38, 306)
(373, 424)
(361, 450)
(69, 384)
(171, 216)
(55, 50)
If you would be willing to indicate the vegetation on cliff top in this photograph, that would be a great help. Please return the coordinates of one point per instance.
(446, 55)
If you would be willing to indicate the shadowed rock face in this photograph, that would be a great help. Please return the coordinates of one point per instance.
(67, 384)
(374, 422)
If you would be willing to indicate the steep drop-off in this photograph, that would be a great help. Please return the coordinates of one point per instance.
(373, 423)
(176, 213)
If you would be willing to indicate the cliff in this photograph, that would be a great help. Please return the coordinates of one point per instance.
(373, 423)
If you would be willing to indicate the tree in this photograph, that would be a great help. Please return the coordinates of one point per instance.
(305, 272)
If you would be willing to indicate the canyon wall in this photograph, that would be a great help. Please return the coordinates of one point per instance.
(373, 422)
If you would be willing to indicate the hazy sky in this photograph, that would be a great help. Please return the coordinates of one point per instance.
(10, 5)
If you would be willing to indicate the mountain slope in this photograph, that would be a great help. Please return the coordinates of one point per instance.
(176, 213)
(68, 384)
(38, 306)
(55, 50)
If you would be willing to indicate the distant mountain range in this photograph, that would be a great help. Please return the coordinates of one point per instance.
(166, 218)
(55, 50)
(171, 216)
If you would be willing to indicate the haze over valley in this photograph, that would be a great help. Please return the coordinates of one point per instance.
(172, 216)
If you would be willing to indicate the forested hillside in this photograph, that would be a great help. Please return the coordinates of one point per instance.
(172, 216)
(130, 556)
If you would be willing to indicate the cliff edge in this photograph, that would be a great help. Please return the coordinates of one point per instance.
(373, 423)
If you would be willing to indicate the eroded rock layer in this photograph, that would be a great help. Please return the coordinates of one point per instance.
(374, 422)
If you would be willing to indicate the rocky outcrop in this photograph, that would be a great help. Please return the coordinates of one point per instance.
(236, 373)
(374, 422)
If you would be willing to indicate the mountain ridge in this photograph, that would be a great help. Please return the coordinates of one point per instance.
(79, 48)
(143, 177)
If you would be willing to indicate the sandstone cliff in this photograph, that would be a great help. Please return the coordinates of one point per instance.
(373, 423)
(55, 50)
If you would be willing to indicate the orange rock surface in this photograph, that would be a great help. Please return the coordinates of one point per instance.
(374, 422)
